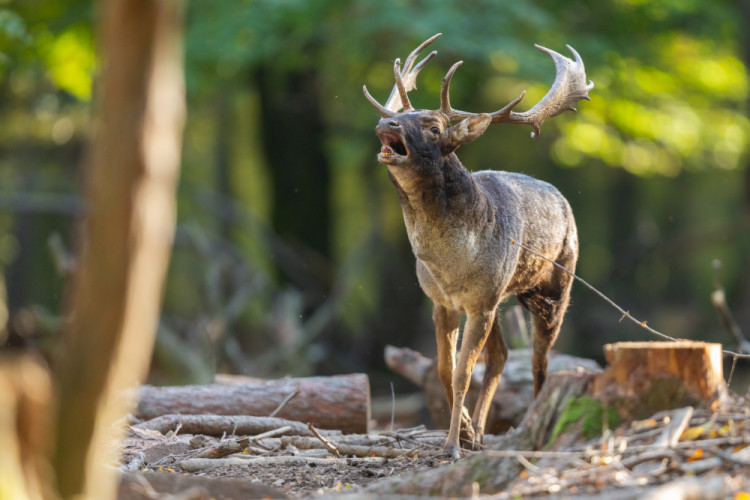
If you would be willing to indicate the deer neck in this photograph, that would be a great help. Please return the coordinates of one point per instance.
(437, 200)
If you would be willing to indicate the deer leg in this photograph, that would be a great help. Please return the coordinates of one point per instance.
(496, 353)
(446, 332)
(475, 334)
(547, 303)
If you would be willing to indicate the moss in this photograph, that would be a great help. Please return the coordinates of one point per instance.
(589, 413)
(479, 473)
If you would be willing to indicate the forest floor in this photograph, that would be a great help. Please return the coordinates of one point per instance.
(685, 453)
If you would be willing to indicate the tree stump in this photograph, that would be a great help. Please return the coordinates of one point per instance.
(646, 377)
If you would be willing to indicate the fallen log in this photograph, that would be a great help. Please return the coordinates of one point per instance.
(218, 425)
(514, 394)
(337, 402)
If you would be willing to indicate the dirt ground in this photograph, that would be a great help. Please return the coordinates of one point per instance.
(299, 480)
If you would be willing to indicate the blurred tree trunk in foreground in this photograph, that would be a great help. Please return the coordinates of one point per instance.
(124, 248)
(744, 307)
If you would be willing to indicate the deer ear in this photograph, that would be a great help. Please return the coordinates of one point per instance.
(466, 131)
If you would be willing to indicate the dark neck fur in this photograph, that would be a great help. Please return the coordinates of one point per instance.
(441, 192)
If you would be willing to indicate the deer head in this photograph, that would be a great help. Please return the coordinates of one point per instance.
(412, 135)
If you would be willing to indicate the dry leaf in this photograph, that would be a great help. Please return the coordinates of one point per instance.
(693, 433)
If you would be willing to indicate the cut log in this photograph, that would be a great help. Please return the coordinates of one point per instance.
(338, 402)
(514, 394)
(646, 377)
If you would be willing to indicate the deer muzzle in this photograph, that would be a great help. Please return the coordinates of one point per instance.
(393, 150)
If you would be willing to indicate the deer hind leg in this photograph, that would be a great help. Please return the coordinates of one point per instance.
(477, 328)
(547, 303)
(496, 354)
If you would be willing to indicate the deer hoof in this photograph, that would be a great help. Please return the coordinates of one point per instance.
(453, 451)
(476, 444)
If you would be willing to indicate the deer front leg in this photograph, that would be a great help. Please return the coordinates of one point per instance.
(446, 333)
(475, 334)
(496, 353)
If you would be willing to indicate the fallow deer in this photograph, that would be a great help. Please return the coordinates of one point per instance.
(463, 228)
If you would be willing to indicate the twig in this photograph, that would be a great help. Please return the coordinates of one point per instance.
(528, 465)
(671, 434)
(224, 448)
(273, 433)
(719, 300)
(408, 439)
(731, 372)
(729, 457)
(625, 314)
(285, 401)
(201, 464)
(323, 440)
(393, 405)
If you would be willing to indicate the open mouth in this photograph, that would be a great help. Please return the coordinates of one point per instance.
(392, 146)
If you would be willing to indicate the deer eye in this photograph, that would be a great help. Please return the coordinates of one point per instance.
(435, 130)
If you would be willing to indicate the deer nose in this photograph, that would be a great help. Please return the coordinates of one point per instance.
(391, 123)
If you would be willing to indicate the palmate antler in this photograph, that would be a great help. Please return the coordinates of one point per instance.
(568, 88)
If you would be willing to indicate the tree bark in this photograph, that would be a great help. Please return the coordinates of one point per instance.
(338, 402)
(124, 247)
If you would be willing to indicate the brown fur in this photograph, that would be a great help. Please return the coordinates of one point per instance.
(460, 225)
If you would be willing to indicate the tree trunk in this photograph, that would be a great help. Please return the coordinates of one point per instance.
(339, 402)
(125, 243)
(294, 146)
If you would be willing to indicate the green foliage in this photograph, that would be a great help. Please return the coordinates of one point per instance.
(589, 413)
(654, 165)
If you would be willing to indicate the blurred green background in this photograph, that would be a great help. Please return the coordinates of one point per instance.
(291, 257)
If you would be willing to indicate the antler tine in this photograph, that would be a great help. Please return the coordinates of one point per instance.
(400, 85)
(409, 73)
(384, 112)
(415, 53)
(455, 115)
(445, 100)
(406, 81)
(568, 88)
